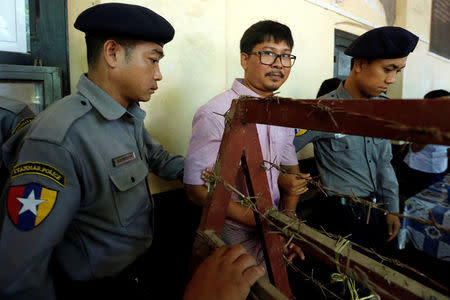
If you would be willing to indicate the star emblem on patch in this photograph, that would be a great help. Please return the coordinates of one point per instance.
(30, 204)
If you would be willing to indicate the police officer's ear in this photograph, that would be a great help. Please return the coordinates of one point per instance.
(244, 60)
(358, 64)
(113, 53)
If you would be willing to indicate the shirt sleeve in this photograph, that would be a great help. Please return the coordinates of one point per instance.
(11, 124)
(6, 124)
(309, 136)
(26, 113)
(289, 155)
(386, 179)
(37, 206)
(207, 131)
(24, 117)
(161, 162)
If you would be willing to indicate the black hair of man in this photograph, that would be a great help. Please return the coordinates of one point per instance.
(94, 45)
(437, 94)
(352, 61)
(328, 85)
(265, 31)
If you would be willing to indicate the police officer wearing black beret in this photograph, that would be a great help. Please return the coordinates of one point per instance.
(361, 165)
(77, 215)
(78, 194)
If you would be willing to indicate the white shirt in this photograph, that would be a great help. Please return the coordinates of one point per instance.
(431, 159)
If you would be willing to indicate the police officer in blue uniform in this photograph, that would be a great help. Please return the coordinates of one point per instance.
(76, 218)
(78, 194)
(14, 115)
(357, 164)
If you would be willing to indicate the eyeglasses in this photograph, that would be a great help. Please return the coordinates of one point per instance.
(269, 58)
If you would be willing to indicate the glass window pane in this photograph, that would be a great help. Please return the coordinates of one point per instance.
(14, 26)
(30, 92)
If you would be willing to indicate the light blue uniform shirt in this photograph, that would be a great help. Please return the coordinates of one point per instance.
(79, 193)
(354, 163)
(14, 115)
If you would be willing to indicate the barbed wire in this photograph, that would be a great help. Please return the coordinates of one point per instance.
(310, 277)
(291, 230)
(355, 198)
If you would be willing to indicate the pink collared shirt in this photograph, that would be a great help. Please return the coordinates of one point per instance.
(207, 130)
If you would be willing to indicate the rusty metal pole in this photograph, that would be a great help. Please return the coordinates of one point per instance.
(240, 140)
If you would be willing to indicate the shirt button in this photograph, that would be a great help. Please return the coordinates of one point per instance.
(368, 141)
(83, 102)
(132, 179)
(370, 161)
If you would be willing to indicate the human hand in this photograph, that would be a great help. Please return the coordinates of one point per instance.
(393, 225)
(292, 250)
(227, 274)
(293, 184)
(205, 176)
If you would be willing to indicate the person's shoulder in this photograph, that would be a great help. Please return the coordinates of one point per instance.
(221, 100)
(330, 95)
(217, 105)
(53, 124)
(11, 105)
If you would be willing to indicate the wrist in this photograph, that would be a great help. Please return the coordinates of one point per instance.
(290, 201)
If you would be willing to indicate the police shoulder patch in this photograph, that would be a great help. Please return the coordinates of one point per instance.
(299, 132)
(22, 124)
(29, 204)
(37, 168)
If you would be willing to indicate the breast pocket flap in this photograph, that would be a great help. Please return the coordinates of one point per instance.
(340, 144)
(129, 175)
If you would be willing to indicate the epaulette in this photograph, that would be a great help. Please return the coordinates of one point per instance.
(52, 124)
(14, 106)
(330, 95)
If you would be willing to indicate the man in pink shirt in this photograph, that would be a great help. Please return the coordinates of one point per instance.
(267, 60)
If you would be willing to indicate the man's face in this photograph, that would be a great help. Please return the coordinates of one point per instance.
(265, 79)
(375, 77)
(138, 74)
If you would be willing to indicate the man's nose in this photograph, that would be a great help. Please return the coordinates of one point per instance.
(157, 75)
(390, 79)
(277, 63)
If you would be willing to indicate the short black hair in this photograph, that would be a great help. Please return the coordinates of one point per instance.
(94, 45)
(265, 31)
(328, 85)
(436, 94)
(352, 61)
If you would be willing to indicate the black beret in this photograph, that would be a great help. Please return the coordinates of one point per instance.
(125, 20)
(383, 42)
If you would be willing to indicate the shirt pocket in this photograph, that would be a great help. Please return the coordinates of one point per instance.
(130, 190)
(342, 144)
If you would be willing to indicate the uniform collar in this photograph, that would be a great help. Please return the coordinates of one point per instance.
(109, 108)
(239, 88)
(136, 111)
(12, 105)
(343, 94)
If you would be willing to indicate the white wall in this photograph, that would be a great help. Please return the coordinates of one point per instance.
(203, 58)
